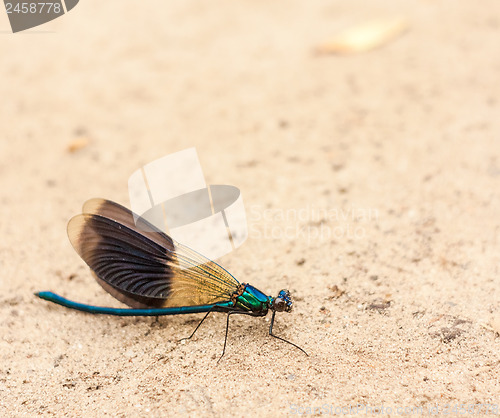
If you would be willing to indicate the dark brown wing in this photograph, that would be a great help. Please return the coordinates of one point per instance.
(142, 266)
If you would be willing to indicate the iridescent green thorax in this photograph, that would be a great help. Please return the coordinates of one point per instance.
(249, 298)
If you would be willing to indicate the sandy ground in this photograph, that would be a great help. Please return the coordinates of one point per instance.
(371, 183)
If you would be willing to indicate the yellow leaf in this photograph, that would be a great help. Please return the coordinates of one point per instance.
(77, 144)
(365, 37)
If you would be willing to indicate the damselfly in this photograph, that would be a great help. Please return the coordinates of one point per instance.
(147, 270)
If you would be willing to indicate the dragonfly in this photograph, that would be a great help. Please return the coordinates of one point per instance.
(144, 268)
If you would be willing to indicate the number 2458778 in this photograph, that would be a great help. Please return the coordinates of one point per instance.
(33, 7)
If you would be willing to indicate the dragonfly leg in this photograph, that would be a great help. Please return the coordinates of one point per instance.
(227, 329)
(198, 326)
(225, 339)
(282, 339)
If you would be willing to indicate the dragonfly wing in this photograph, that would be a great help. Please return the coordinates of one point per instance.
(142, 266)
(124, 216)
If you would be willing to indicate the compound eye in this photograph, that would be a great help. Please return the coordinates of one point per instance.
(279, 305)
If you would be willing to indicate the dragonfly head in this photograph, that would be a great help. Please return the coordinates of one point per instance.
(282, 302)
